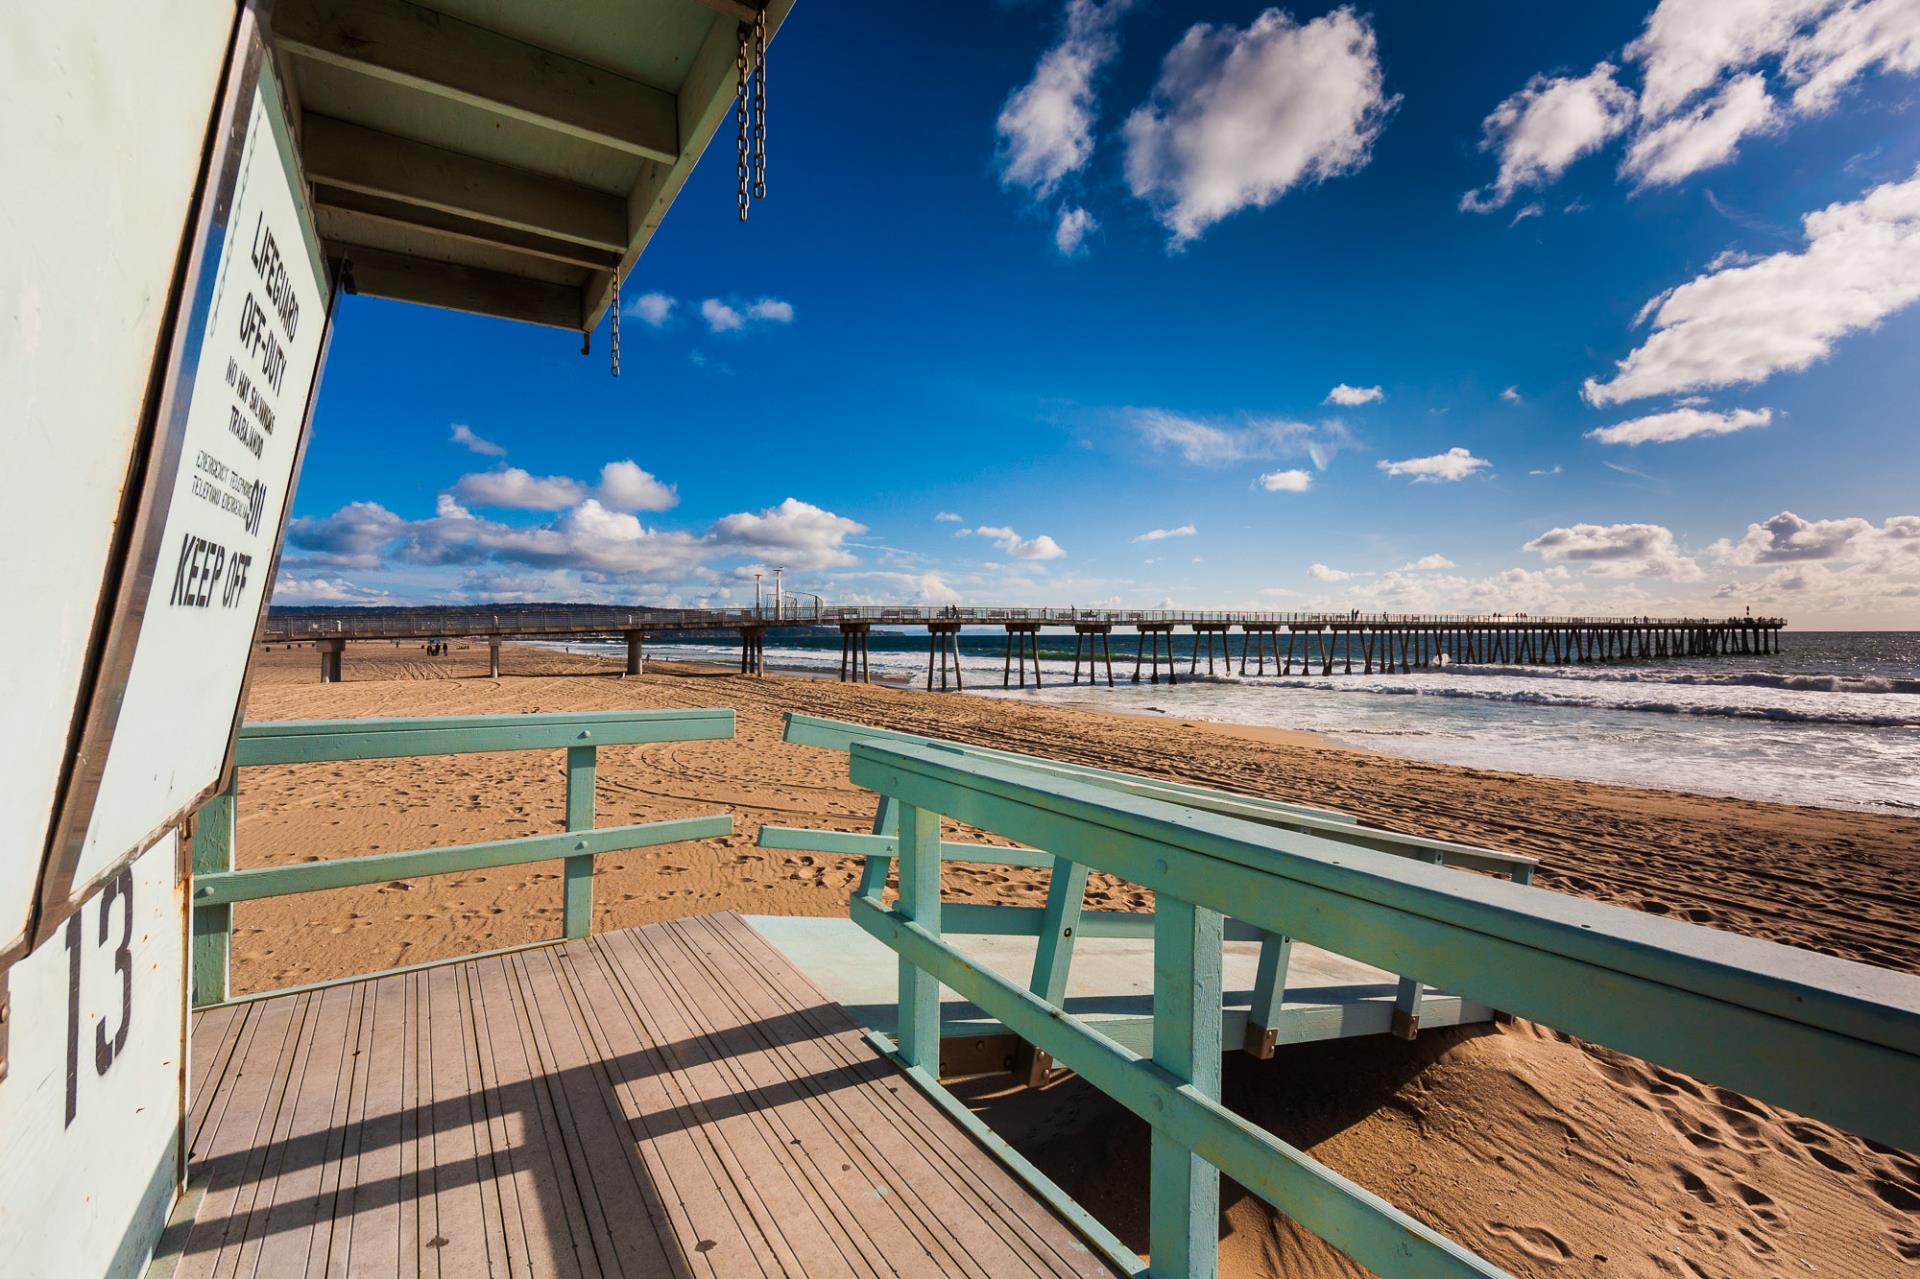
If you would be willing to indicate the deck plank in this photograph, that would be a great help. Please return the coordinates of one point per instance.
(669, 1102)
(747, 957)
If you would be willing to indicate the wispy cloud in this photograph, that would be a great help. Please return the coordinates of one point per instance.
(734, 316)
(1680, 424)
(1221, 442)
(463, 435)
(1353, 396)
(1162, 534)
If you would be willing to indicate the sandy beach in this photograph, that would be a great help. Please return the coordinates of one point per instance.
(1545, 1155)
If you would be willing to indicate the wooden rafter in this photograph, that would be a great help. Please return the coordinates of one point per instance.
(407, 44)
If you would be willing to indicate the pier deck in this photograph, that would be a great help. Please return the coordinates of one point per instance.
(675, 1099)
(1328, 996)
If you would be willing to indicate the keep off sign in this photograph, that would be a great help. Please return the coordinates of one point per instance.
(247, 390)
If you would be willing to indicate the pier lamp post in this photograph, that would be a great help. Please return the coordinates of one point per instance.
(756, 594)
(777, 571)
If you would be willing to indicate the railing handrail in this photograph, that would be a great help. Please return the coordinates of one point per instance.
(813, 730)
(1833, 1039)
(335, 740)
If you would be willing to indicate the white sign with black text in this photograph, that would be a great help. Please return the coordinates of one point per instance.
(259, 355)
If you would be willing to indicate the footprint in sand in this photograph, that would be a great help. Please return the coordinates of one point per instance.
(1692, 1183)
(1536, 1241)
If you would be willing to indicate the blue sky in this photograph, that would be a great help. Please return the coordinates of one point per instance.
(1332, 299)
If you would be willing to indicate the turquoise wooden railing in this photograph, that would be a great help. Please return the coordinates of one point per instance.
(1064, 920)
(217, 885)
(1831, 1039)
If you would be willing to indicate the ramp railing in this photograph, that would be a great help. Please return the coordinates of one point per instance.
(217, 885)
(1063, 921)
(1831, 1039)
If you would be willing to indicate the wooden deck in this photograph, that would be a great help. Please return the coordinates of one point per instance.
(669, 1100)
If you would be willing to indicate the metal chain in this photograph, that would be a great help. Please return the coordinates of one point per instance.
(740, 113)
(614, 343)
(760, 104)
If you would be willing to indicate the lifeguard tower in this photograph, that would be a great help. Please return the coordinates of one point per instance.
(191, 187)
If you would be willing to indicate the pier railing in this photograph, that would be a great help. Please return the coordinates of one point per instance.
(810, 610)
(1829, 1038)
(217, 885)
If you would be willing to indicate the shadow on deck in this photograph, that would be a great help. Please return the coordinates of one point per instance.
(675, 1099)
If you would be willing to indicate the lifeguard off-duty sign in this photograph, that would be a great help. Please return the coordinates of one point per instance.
(173, 685)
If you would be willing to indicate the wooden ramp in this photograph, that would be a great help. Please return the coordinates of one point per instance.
(669, 1100)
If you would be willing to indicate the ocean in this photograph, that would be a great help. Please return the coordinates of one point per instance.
(1833, 719)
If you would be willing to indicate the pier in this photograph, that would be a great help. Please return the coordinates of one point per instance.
(1303, 643)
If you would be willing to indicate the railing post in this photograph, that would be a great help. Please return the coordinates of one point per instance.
(1183, 1230)
(213, 925)
(1066, 897)
(920, 902)
(577, 908)
(873, 876)
(1269, 994)
(1406, 1000)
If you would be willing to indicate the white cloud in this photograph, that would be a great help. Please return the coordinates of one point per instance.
(1427, 563)
(735, 316)
(1455, 464)
(1533, 210)
(1789, 539)
(1703, 138)
(1046, 126)
(1321, 573)
(1353, 396)
(1680, 424)
(1511, 395)
(1882, 34)
(515, 489)
(1294, 481)
(1238, 117)
(1545, 127)
(652, 309)
(349, 538)
(1220, 443)
(878, 587)
(798, 534)
(625, 487)
(1021, 548)
(288, 589)
(1687, 44)
(1555, 469)
(1162, 534)
(947, 517)
(463, 435)
(1745, 323)
(1617, 550)
(1712, 72)
(1071, 231)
